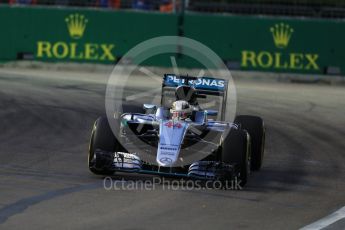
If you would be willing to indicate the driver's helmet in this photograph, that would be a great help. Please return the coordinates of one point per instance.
(186, 93)
(181, 110)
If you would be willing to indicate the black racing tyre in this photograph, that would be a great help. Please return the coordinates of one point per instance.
(255, 127)
(102, 138)
(235, 150)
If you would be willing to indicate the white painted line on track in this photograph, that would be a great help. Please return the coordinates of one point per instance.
(326, 221)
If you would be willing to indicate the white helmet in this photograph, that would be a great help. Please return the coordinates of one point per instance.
(181, 110)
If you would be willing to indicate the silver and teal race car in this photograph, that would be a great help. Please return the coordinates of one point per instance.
(180, 137)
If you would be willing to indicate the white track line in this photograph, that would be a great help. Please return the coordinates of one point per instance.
(326, 221)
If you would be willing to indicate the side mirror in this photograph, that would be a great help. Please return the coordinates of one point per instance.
(211, 112)
(150, 107)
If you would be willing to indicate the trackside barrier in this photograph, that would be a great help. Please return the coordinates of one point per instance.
(103, 36)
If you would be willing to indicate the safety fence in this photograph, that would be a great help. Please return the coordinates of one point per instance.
(305, 8)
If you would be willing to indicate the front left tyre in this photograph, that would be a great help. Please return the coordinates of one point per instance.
(235, 150)
(255, 127)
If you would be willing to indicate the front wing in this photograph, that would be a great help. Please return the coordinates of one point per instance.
(131, 163)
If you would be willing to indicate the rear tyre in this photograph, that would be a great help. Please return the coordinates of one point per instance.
(102, 138)
(255, 127)
(235, 150)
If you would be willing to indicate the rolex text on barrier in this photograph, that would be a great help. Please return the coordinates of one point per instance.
(76, 26)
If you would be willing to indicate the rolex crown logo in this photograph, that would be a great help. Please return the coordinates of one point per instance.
(76, 24)
(281, 34)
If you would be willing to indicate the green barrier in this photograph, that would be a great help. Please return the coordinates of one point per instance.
(274, 44)
(79, 35)
(103, 36)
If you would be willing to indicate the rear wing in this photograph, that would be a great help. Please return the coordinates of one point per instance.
(203, 85)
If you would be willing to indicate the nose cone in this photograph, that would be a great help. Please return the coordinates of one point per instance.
(171, 136)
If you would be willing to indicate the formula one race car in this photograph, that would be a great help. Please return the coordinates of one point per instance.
(182, 137)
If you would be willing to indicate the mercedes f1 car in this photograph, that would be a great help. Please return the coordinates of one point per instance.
(182, 137)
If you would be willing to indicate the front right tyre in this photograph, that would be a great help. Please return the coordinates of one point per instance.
(102, 139)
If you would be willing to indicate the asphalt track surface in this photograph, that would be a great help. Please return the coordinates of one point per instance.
(46, 118)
